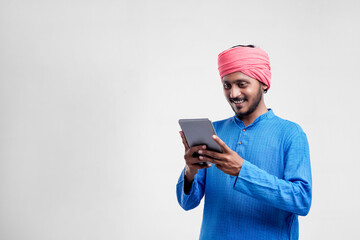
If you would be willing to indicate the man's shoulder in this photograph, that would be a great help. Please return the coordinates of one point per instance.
(287, 127)
(222, 122)
(221, 125)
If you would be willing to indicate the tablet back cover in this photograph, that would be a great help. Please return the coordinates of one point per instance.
(199, 131)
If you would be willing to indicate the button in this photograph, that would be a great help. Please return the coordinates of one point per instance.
(239, 143)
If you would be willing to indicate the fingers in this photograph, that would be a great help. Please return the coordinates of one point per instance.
(186, 145)
(211, 160)
(191, 155)
(211, 154)
(202, 166)
(224, 147)
(197, 149)
(218, 163)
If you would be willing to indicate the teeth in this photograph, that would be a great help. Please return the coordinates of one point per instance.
(241, 101)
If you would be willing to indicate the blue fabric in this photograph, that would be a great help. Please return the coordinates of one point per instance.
(271, 190)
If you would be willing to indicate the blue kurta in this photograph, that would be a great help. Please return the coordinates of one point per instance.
(271, 190)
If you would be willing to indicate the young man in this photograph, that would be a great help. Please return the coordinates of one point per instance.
(261, 182)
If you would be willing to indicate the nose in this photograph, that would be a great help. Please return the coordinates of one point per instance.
(235, 92)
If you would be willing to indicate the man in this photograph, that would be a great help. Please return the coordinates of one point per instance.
(261, 182)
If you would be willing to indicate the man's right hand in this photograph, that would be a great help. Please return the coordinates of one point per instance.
(192, 162)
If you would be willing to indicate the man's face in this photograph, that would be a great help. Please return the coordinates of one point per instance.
(243, 93)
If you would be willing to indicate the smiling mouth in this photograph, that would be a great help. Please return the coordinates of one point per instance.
(237, 101)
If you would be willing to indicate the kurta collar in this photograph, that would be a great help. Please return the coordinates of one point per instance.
(269, 114)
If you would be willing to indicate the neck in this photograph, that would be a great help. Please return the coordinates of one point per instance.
(249, 119)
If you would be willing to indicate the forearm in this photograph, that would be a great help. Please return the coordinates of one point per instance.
(292, 195)
(187, 185)
(189, 176)
(189, 193)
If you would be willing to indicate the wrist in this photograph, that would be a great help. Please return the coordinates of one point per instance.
(190, 173)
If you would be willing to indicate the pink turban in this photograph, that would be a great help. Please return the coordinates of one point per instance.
(253, 62)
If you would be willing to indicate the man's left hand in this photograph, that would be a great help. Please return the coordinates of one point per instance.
(228, 161)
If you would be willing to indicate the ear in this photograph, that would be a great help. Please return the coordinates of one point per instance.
(264, 87)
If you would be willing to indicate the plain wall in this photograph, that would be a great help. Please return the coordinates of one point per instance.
(91, 91)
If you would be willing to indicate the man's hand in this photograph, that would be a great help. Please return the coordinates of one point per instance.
(228, 161)
(192, 162)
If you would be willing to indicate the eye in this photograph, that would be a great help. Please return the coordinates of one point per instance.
(242, 84)
(227, 86)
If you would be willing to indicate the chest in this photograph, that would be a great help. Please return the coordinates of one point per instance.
(260, 147)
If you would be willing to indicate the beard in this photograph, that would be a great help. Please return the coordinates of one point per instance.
(252, 107)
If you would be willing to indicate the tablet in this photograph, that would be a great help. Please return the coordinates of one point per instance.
(199, 131)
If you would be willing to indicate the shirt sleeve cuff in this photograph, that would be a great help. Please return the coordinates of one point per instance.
(182, 184)
(244, 177)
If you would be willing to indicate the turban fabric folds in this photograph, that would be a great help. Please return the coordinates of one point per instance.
(253, 62)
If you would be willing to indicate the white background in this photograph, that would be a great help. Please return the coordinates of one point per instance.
(91, 91)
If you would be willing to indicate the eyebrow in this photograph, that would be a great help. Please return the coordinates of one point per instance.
(237, 81)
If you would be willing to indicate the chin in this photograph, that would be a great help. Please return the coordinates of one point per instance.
(240, 113)
(244, 111)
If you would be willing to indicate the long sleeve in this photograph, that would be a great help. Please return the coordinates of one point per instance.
(294, 192)
(196, 193)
